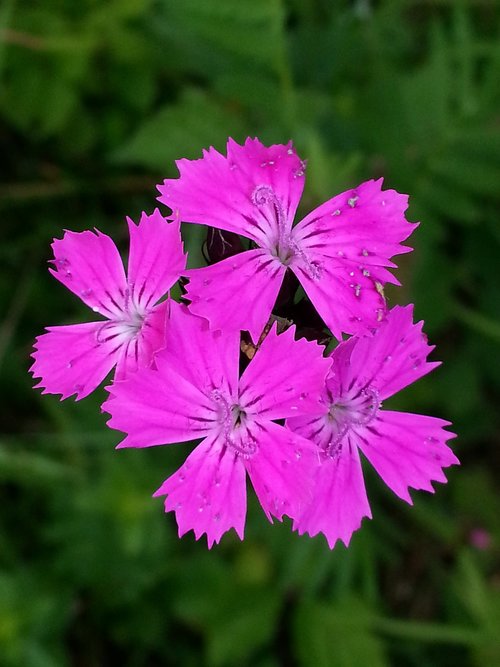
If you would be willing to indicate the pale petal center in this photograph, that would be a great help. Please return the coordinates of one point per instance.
(124, 328)
(357, 407)
(281, 243)
(234, 425)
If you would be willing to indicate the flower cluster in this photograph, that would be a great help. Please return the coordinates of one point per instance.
(241, 363)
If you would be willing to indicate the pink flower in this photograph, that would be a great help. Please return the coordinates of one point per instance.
(340, 252)
(75, 359)
(480, 539)
(195, 392)
(407, 450)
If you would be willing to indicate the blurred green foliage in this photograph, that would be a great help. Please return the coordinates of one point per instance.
(97, 99)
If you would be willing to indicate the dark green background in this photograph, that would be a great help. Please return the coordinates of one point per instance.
(97, 99)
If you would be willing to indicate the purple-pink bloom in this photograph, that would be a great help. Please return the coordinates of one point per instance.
(75, 359)
(480, 538)
(407, 450)
(340, 252)
(196, 392)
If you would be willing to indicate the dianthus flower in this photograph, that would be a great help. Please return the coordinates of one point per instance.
(340, 252)
(195, 392)
(75, 359)
(407, 450)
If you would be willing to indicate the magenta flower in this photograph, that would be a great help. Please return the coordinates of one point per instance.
(195, 392)
(340, 252)
(75, 359)
(406, 450)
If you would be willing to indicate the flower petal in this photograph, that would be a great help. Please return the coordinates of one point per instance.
(365, 225)
(207, 359)
(158, 407)
(343, 249)
(285, 378)
(339, 500)
(394, 356)
(238, 293)
(73, 359)
(208, 492)
(347, 301)
(89, 265)
(407, 450)
(317, 428)
(219, 191)
(156, 258)
(339, 378)
(281, 470)
(277, 166)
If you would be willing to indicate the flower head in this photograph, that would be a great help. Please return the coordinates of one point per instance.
(75, 359)
(196, 392)
(340, 252)
(407, 450)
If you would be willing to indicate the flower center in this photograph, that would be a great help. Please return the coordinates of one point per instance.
(266, 199)
(283, 245)
(124, 329)
(234, 425)
(357, 408)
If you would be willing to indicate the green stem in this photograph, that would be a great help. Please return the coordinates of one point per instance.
(427, 632)
(478, 322)
(285, 76)
(5, 19)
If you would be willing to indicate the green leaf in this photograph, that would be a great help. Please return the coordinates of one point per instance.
(475, 176)
(328, 173)
(480, 142)
(26, 467)
(237, 617)
(337, 636)
(252, 31)
(448, 201)
(428, 93)
(464, 40)
(242, 625)
(180, 130)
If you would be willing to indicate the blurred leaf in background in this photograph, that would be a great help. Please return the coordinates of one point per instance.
(97, 100)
